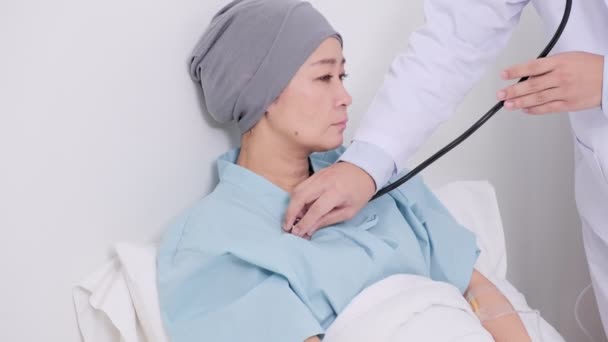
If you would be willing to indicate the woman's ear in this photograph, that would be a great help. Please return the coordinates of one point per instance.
(272, 107)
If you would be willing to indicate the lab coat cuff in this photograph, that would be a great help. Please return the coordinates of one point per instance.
(372, 159)
(605, 88)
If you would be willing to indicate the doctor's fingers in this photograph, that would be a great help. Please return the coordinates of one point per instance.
(303, 196)
(551, 107)
(335, 216)
(530, 86)
(536, 99)
(532, 68)
(311, 220)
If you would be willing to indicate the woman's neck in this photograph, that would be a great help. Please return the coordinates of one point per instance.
(273, 159)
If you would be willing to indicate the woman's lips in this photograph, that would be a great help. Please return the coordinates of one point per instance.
(341, 124)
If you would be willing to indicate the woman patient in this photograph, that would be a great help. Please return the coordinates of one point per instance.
(226, 269)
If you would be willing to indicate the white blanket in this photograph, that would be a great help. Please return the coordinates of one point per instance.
(413, 308)
(407, 308)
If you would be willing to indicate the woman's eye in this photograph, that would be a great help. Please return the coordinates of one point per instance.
(329, 77)
(326, 78)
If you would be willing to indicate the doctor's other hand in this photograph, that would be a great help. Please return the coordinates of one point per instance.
(332, 195)
(565, 82)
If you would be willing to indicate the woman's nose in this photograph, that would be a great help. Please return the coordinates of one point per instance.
(344, 98)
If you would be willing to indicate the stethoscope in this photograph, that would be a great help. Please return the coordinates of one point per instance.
(479, 123)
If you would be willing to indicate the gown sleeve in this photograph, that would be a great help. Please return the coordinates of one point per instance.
(451, 249)
(223, 298)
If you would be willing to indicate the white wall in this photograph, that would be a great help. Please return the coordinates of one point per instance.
(103, 138)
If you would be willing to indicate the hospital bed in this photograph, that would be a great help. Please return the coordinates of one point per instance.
(118, 301)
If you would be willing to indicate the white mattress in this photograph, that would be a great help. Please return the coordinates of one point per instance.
(119, 302)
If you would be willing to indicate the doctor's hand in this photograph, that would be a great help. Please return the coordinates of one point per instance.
(332, 195)
(569, 81)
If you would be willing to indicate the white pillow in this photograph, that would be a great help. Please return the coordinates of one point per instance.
(474, 205)
(139, 269)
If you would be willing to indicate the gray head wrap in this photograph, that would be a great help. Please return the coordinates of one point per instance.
(250, 52)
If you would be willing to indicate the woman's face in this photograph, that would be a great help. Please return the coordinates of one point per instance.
(311, 113)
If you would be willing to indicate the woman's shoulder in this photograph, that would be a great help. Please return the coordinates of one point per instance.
(221, 205)
(202, 217)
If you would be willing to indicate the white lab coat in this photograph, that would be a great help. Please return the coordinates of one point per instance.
(449, 54)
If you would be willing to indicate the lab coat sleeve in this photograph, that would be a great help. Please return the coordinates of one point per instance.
(605, 87)
(371, 158)
(224, 298)
(443, 60)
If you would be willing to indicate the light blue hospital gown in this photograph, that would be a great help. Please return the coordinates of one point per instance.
(227, 271)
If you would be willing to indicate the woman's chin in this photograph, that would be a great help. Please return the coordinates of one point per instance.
(333, 144)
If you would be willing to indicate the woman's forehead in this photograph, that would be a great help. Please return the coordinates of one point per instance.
(328, 53)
